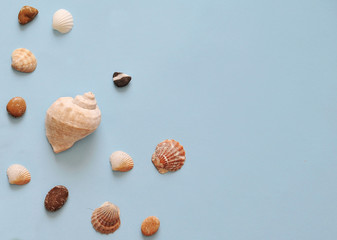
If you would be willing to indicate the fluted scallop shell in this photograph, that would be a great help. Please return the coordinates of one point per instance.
(121, 161)
(18, 174)
(63, 21)
(68, 120)
(168, 156)
(105, 219)
(23, 60)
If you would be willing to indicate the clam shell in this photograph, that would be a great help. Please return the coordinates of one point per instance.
(68, 120)
(23, 60)
(121, 161)
(63, 21)
(168, 156)
(105, 219)
(18, 174)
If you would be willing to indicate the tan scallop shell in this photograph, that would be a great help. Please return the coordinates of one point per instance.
(23, 60)
(168, 156)
(105, 219)
(63, 21)
(68, 120)
(121, 161)
(18, 174)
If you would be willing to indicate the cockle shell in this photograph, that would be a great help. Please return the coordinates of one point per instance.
(63, 21)
(121, 161)
(68, 120)
(168, 156)
(23, 60)
(105, 219)
(18, 174)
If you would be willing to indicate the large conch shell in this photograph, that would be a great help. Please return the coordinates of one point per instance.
(18, 174)
(105, 219)
(68, 120)
(168, 156)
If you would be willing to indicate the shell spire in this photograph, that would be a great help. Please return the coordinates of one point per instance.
(68, 120)
(105, 219)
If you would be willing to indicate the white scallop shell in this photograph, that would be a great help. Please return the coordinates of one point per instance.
(18, 174)
(121, 161)
(63, 21)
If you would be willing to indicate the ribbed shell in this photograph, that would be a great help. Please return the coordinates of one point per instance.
(63, 21)
(121, 161)
(23, 60)
(18, 174)
(68, 120)
(168, 156)
(105, 219)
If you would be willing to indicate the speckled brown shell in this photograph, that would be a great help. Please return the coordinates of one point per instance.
(169, 156)
(105, 219)
(23, 60)
(56, 198)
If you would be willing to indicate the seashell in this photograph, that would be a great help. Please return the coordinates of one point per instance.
(68, 120)
(56, 198)
(121, 161)
(18, 174)
(105, 219)
(150, 226)
(27, 14)
(168, 156)
(63, 21)
(23, 60)
(121, 79)
(16, 106)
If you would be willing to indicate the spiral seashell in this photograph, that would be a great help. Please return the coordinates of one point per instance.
(121, 161)
(68, 120)
(168, 156)
(23, 60)
(18, 174)
(105, 219)
(63, 21)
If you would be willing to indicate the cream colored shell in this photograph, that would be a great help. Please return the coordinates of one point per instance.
(121, 161)
(23, 60)
(68, 120)
(105, 219)
(18, 174)
(63, 21)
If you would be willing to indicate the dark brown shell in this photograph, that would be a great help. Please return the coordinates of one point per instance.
(27, 14)
(56, 198)
(168, 156)
(105, 219)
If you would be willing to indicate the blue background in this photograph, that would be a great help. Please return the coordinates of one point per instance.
(247, 87)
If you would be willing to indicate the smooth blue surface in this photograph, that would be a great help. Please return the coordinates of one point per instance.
(247, 87)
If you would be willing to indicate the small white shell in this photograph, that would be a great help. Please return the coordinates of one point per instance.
(63, 21)
(18, 174)
(121, 161)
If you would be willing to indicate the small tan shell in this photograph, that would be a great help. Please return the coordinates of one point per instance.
(150, 226)
(18, 174)
(168, 156)
(121, 161)
(23, 60)
(105, 219)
